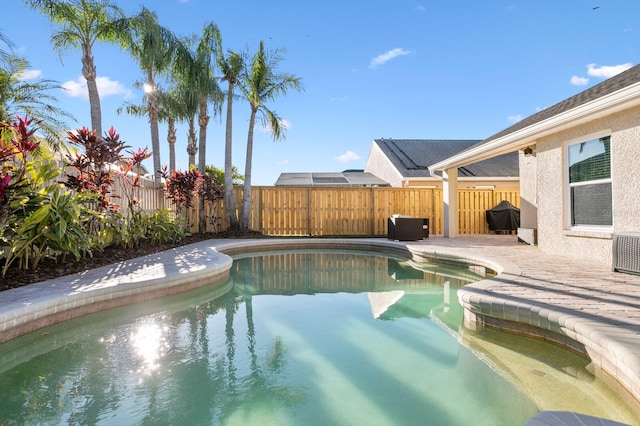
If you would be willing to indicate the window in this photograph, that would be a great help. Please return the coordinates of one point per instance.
(590, 183)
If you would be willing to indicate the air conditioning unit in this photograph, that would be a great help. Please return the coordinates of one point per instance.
(626, 252)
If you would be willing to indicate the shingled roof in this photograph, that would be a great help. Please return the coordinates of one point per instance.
(613, 84)
(615, 94)
(412, 157)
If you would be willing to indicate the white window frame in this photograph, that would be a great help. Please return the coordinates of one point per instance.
(567, 193)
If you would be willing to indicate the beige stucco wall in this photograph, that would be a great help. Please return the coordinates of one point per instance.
(528, 193)
(554, 235)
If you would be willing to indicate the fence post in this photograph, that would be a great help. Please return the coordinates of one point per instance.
(260, 208)
(371, 212)
(309, 211)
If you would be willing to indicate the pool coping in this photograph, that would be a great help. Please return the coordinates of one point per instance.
(26, 309)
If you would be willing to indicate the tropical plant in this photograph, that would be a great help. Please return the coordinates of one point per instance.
(211, 191)
(130, 168)
(219, 178)
(83, 22)
(182, 187)
(166, 227)
(185, 188)
(232, 67)
(15, 160)
(201, 79)
(39, 218)
(262, 84)
(32, 97)
(3, 38)
(156, 48)
(95, 164)
(171, 108)
(54, 228)
(95, 170)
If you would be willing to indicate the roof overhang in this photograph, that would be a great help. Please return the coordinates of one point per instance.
(620, 100)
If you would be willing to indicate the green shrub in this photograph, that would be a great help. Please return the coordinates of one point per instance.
(54, 229)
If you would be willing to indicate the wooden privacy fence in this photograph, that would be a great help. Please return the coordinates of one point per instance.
(150, 198)
(325, 211)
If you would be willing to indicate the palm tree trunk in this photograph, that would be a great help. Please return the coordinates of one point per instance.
(89, 73)
(229, 196)
(171, 139)
(246, 197)
(153, 123)
(192, 148)
(203, 120)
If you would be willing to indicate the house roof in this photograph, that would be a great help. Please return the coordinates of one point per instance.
(612, 95)
(412, 157)
(346, 178)
(613, 84)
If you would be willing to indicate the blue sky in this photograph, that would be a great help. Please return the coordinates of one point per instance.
(383, 68)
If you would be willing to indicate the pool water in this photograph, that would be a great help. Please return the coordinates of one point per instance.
(294, 338)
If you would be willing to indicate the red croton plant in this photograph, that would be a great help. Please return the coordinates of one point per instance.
(14, 155)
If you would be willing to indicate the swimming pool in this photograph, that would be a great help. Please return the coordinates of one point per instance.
(301, 337)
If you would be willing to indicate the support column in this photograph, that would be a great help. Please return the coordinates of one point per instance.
(450, 198)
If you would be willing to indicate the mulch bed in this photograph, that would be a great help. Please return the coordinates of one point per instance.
(48, 268)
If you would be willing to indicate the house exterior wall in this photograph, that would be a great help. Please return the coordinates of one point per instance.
(528, 193)
(554, 233)
(380, 166)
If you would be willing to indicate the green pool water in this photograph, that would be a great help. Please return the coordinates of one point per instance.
(294, 338)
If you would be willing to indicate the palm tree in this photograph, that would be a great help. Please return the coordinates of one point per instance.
(175, 110)
(3, 54)
(202, 80)
(183, 106)
(232, 67)
(262, 84)
(185, 103)
(192, 146)
(155, 48)
(170, 109)
(32, 98)
(83, 22)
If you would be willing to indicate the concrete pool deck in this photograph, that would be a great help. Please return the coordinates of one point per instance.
(581, 305)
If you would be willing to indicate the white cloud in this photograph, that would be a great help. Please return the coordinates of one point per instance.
(607, 71)
(579, 81)
(421, 8)
(385, 57)
(604, 71)
(106, 87)
(347, 157)
(30, 75)
(515, 118)
(282, 162)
